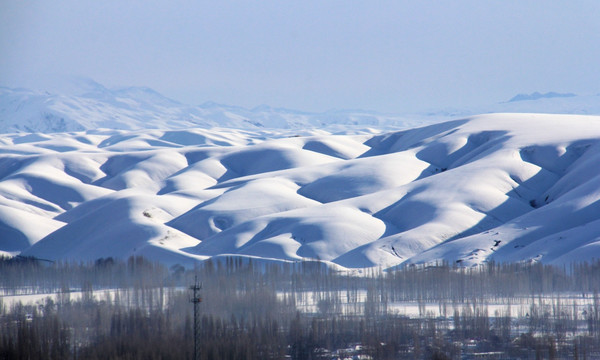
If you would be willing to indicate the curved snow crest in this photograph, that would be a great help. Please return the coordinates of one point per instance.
(503, 187)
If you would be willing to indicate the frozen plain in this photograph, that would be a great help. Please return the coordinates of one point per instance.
(503, 187)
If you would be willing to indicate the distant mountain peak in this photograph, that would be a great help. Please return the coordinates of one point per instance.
(145, 94)
(81, 104)
(537, 95)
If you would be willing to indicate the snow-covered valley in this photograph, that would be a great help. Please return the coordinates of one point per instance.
(504, 187)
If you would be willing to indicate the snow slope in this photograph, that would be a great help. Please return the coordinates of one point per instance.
(505, 187)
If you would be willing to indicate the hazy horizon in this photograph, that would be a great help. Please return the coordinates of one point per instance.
(313, 56)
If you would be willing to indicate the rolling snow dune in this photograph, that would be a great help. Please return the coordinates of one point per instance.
(504, 187)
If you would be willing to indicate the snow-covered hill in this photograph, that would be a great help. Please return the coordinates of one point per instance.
(507, 187)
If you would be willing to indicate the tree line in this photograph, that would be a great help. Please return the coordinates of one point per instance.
(136, 309)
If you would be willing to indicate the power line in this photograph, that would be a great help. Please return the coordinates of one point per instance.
(196, 300)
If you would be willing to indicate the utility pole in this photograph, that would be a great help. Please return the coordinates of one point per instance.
(196, 300)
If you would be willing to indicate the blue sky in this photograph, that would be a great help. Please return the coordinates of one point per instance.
(390, 56)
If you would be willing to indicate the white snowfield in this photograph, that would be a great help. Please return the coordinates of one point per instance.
(503, 187)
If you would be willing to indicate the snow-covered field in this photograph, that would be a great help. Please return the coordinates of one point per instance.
(507, 187)
(354, 302)
(340, 302)
(128, 297)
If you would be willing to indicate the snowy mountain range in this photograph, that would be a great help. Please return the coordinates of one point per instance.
(504, 187)
(94, 106)
(84, 104)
